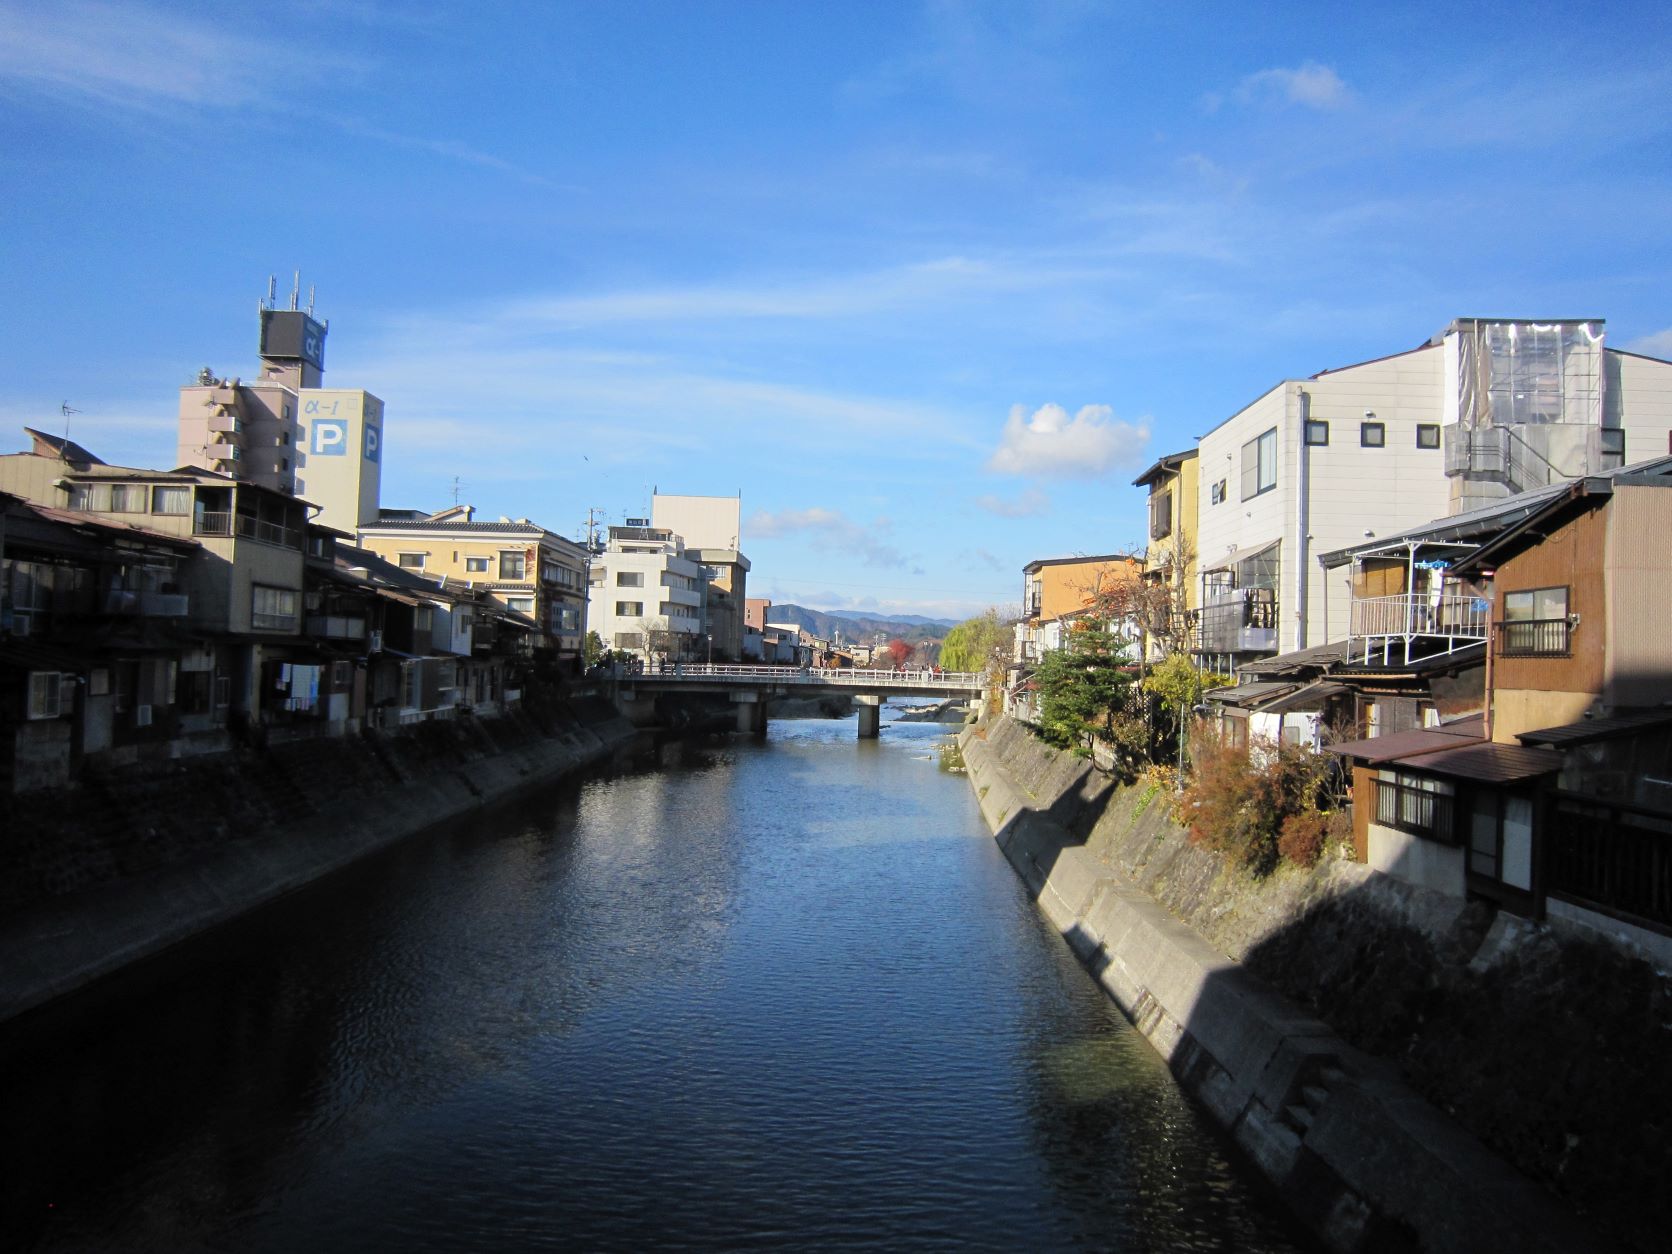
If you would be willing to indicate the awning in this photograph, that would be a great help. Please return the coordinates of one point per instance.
(1395, 745)
(1308, 700)
(1238, 556)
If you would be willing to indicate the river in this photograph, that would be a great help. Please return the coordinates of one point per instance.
(764, 995)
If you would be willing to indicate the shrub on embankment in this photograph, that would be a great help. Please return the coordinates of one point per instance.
(1547, 1046)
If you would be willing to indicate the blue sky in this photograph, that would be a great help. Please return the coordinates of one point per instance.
(928, 283)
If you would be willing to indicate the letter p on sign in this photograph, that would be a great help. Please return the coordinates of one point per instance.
(330, 437)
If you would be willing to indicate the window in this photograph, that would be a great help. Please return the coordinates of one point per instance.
(423, 618)
(1535, 623)
(629, 640)
(171, 500)
(1161, 515)
(476, 565)
(569, 618)
(513, 566)
(1501, 838)
(629, 609)
(1428, 435)
(1317, 431)
(1259, 464)
(129, 498)
(272, 609)
(1217, 493)
(629, 579)
(1372, 434)
(411, 561)
(51, 694)
(522, 605)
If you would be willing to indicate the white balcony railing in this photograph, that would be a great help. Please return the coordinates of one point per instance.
(1422, 623)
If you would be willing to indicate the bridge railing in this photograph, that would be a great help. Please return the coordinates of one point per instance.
(836, 677)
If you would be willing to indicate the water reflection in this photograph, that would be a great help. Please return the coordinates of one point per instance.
(780, 994)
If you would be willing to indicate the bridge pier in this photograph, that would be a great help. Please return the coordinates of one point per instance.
(870, 715)
(751, 713)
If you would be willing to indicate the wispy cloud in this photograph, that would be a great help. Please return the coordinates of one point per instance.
(1309, 84)
(1658, 344)
(832, 531)
(1050, 444)
(1031, 504)
(131, 59)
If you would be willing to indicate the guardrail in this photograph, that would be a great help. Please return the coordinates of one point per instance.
(833, 676)
(1420, 614)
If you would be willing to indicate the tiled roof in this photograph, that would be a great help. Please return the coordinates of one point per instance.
(456, 524)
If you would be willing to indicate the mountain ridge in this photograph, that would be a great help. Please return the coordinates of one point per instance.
(860, 627)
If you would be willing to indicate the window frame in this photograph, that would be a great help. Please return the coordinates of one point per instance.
(513, 565)
(404, 564)
(1521, 635)
(1261, 445)
(476, 565)
(1373, 427)
(1315, 426)
(257, 615)
(1432, 431)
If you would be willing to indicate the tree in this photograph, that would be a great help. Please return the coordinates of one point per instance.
(976, 644)
(1084, 687)
(1178, 684)
(593, 649)
(899, 652)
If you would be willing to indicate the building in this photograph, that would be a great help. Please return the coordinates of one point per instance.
(1483, 410)
(526, 569)
(283, 430)
(646, 594)
(711, 527)
(1056, 587)
(1554, 800)
(1170, 571)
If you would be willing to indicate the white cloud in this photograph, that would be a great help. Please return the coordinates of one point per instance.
(832, 531)
(1310, 84)
(1657, 345)
(1030, 504)
(1050, 444)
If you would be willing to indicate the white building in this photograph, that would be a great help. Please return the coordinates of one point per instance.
(646, 596)
(1484, 409)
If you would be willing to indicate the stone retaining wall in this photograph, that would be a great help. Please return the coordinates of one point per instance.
(1362, 1158)
(134, 862)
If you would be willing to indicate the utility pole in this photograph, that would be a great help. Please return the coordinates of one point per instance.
(594, 516)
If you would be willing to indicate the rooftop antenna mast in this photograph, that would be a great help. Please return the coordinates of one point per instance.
(67, 411)
(593, 516)
(455, 491)
(296, 291)
(311, 304)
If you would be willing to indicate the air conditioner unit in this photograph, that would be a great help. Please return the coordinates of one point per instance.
(374, 642)
(142, 716)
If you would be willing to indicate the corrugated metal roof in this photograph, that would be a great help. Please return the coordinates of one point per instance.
(1422, 740)
(1318, 655)
(1248, 694)
(1597, 729)
(1489, 764)
(1310, 699)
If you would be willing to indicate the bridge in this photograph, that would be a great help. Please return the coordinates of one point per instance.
(750, 687)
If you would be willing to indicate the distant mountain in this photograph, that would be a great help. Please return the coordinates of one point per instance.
(862, 628)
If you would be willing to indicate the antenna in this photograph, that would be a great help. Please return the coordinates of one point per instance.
(67, 411)
(311, 300)
(296, 291)
(455, 485)
(272, 290)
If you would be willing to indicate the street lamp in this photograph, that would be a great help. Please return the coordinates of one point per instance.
(711, 648)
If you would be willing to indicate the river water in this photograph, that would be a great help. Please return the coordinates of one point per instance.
(767, 995)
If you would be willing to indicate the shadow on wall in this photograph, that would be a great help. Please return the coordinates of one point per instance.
(1356, 994)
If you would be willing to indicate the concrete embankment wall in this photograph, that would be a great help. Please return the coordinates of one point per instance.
(1364, 1160)
(127, 865)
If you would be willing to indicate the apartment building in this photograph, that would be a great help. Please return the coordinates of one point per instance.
(711, 527)
(523, 567)
(1056, 588)
(646, 594)
(283, 429)
(1483, 410)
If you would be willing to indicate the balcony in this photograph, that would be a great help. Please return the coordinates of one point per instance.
(1242, 620)
(268, 532)
(1535, 637)
(141, 604)
(1421, 624)
(335, 627)
(213, 523)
